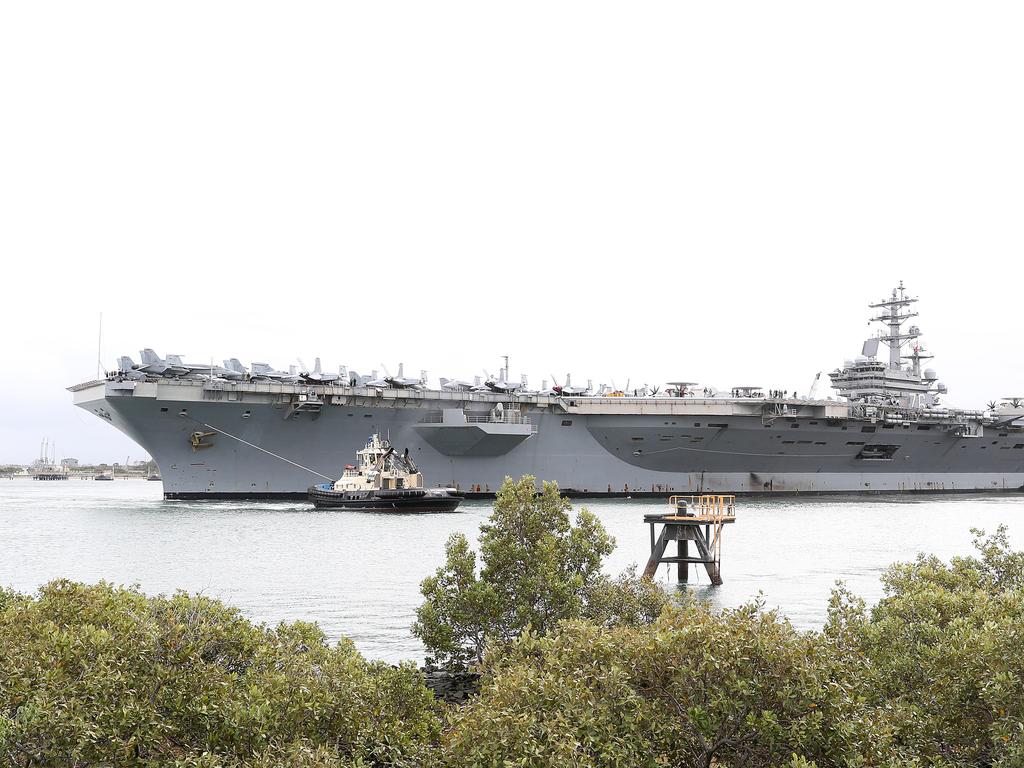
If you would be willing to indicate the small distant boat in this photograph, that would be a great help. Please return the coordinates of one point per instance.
(104, 476)
(383, 481)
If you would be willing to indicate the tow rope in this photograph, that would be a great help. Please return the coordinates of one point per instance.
(263, 450)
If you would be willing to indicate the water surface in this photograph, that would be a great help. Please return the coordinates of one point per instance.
(358, 574)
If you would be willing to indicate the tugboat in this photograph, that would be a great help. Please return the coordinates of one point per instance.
(383, 481)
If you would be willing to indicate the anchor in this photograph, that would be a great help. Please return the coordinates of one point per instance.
(197, 440)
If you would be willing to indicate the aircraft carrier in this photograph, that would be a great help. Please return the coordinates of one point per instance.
(235, 432)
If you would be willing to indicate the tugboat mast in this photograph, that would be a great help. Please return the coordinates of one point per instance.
(894, 318)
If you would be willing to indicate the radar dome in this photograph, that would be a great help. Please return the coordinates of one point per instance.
(930, 374)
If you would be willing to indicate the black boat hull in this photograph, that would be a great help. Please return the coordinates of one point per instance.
(383, 501)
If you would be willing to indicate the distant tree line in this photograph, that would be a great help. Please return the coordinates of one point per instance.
(577, 669)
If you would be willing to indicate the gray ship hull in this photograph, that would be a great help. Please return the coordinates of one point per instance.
(260, 440)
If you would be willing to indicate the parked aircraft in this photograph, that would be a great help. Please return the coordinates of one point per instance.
(204, 370)
(569, 389)
(316, 376)
(455, 385)
(266, 372)
(128, 369)
(401, 381)
(152, 363)
(501, 384)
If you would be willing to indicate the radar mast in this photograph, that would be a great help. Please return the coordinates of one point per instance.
(895, 317)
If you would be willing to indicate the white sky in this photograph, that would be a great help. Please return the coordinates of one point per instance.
(655, 191)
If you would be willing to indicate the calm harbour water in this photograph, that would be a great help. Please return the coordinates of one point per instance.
(358, 574)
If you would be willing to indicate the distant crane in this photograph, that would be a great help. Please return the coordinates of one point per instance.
(814, 386)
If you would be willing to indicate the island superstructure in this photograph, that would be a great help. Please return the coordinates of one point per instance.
(232, 432)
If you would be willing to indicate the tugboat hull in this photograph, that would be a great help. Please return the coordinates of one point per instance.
(412, 500)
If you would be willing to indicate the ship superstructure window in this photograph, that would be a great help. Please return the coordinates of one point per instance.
(718, 426)
(867, 429)
(566, 422)
(1019, 445)
(855, 442)
(923, 427)
(794, 425)
(637, 439)
(163, 410)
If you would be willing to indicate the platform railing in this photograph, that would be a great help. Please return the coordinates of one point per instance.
(712, 505)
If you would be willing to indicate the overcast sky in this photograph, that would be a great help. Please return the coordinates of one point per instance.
(645, 191)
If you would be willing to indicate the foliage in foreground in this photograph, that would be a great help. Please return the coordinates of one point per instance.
(941, 657)
(537, 569)
(696, 688)
(931, 676)
(96, 675)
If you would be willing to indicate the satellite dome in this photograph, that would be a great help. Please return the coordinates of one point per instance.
(930, 374)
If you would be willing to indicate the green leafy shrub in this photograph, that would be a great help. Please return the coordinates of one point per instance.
(942, 654)
(98, 675)
(537, 569)
(695, 688)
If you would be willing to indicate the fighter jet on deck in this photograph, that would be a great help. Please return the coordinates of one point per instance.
(204, 370)
(263, 371)
(316, 376)
(401, 381)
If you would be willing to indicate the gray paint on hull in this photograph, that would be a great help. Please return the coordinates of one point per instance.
(593, 454)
